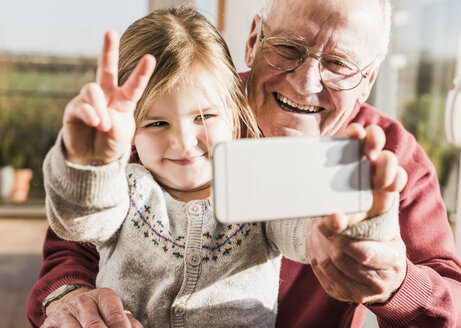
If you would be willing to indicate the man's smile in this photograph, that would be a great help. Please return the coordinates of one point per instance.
(291, 106)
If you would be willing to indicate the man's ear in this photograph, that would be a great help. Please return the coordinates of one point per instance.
(250, 48)
(369, 85)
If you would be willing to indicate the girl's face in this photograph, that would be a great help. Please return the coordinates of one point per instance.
(175, 138)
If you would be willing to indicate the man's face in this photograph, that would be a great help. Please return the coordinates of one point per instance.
(351, 29)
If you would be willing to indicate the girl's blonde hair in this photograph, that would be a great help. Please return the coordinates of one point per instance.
(183, 42)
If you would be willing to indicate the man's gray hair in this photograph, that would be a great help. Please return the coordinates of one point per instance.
(386, 9)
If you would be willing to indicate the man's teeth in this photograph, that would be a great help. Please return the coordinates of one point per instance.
(285, 100)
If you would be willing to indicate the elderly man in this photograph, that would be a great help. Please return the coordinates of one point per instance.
(299, 52)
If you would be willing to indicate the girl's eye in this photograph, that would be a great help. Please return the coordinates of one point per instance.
(204, 117)
(156, 124)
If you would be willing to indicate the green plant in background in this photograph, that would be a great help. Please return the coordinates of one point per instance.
(32, 100)
(424, 118)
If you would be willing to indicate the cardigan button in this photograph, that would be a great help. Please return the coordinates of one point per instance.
(194, 259)
(179, 311)
(195, 209)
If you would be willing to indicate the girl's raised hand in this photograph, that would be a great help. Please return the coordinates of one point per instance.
(98, 124)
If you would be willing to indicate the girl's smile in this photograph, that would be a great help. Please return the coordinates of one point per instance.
(176, 136)
(187, 160)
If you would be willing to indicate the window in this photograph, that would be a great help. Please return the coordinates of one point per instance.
(424, 58)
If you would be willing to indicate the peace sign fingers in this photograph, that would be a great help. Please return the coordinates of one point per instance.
(106, 74)
(122, 98)
(133, 88)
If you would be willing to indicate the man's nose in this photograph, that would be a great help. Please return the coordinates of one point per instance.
(184, 138)
(306, 78)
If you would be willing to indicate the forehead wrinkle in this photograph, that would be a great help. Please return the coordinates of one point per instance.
(282, 33)
(335, 42)
(323, 26)
(348, 54)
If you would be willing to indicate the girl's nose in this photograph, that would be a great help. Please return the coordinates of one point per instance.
(184, 138)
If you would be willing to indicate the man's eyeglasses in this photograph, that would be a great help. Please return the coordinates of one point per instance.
(287, 55)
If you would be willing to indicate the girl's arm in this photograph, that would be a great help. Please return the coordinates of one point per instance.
(290, 236)
(84, 203)
(84, 172)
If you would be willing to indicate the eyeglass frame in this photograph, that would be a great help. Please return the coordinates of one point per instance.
(308, 54)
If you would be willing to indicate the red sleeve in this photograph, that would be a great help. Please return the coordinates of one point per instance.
(430, 295)
(64, 262)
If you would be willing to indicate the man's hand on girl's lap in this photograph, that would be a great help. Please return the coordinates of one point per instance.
(101, 307)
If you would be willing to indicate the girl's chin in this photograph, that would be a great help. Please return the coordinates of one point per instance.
(194, 189)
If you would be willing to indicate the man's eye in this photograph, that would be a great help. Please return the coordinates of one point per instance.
(288, 51)
(338, 62)
(338, 66)
(334, 62)
(286, 47)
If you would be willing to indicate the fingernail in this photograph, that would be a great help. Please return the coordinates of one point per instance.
(105, 126)
(373, 155)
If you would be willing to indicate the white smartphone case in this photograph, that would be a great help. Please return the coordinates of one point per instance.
(289, 177)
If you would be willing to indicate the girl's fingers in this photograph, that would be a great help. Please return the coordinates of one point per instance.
(133, 88)
(106, 74)
(77, 111)
(88, 115)
(93, 95)
(336, 222)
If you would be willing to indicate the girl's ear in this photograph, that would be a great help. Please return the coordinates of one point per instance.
(250, 48)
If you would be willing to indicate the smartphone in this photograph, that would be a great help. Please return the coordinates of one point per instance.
(289, 177)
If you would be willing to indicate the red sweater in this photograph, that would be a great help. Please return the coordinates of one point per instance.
(430, 295)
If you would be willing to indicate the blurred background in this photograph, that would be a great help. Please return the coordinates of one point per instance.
(48, 50)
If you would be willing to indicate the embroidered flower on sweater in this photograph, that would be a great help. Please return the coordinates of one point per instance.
(214, 246)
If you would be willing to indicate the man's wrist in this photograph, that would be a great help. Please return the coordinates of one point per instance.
(52, 303)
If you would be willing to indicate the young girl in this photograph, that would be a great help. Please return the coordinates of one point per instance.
(161, 250)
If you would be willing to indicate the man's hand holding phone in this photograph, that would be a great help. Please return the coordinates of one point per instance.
(387, 177)
(362, 271)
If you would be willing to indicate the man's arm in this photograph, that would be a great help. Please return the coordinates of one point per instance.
(430, 295)
(64, 262)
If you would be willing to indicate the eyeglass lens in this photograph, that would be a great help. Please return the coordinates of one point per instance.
(335, 71)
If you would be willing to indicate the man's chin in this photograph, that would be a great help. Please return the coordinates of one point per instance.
(287, 124)
(286, 131)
